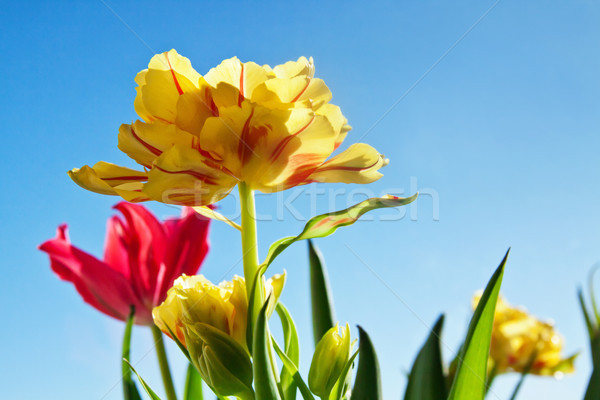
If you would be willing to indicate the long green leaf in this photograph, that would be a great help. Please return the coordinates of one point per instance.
(147, 388)
(470, 380)
(593, 389)
(426, 380)
(193, 384)
(325, 224)
(367, 385)
(292, 351)
(586, 315)
(292, 369)
(323, 314)
(265, 384)
(130, 391)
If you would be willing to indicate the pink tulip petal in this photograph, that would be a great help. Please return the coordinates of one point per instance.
(98, 284)
(187, 245)
(146, 247)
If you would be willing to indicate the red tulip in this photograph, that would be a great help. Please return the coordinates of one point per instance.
(142, 258)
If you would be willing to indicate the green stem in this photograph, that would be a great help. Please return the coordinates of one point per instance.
(250, 247)
(249, 242)
(163, 363)
(518, 387)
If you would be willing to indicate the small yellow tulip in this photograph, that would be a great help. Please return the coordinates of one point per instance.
(519, 339)
(272, 128)
(331, 354)
(194, 299)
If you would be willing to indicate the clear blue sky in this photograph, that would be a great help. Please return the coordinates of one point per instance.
(504, 129)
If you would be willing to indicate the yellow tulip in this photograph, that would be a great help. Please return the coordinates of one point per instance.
(272, 128)
(520, 339)
(194, 299)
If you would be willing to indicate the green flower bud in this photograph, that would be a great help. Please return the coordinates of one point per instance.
(221, 361)
(331, 354)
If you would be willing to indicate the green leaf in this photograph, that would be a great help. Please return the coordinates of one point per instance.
(292, 369)
(470, 379)
(265, 384)
(367, 385)
(130, 391)
(292, 351)
(193, 384)
(593, 389)
(426, 380)
(323, 314)
(325, 224)
(586, 315)
(147, 388)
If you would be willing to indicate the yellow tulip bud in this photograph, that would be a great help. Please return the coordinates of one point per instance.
(331, 354)
(519, 339)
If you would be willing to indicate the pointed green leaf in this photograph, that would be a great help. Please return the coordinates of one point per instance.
(292, 351)
(265, 384)
(586, 315)
(193, 384)
(130, 391)
(470, 379)
(593, 389)
(292, 370)
(367, 385)
(147, 388)
(325, 224)
(323, 314)
(426, 380)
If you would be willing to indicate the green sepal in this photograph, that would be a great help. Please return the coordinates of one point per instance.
(343, 383)
(221, 361)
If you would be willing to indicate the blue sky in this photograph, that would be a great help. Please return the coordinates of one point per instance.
(501, 128)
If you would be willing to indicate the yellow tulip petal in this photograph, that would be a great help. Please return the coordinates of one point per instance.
(360, 163)
(138, 103)
(111, 179)
(169, 75)
(193, 108)
(294, 68)
(144, 142)
(181, 175)
(244, 77)
(337, 120)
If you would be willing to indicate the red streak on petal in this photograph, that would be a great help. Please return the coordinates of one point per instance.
(173, 74)
(341, 168)
(125, 178)
(243, 146)
(279, 149)
(147, 145)
(201, 177)
(302, 91)
(241, 94)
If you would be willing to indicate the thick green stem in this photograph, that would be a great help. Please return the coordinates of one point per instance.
(249, 242)
(250, 248)
(163, 363)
